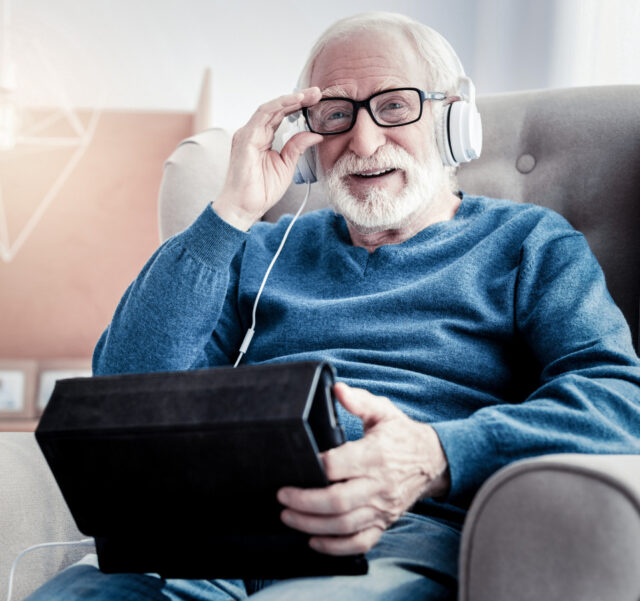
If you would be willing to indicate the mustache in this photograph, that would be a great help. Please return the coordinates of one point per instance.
(389, 156)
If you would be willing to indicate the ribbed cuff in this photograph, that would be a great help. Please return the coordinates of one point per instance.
(213, 240)
(470, 447)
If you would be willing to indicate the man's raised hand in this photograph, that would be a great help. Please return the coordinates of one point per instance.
(259, 176)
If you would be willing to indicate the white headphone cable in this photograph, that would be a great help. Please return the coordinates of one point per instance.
(87, 542)
(252, 330)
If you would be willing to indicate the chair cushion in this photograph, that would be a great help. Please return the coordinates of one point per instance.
(576, 151)
(33, 512)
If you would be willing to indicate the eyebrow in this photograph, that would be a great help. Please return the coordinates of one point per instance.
(340, 92)
(334, 91)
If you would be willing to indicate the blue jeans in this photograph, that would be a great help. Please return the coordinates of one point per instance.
(417, 558)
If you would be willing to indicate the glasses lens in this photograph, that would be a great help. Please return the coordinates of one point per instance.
(396, 107)
(330, 116)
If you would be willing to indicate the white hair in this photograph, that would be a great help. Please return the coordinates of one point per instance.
(443, 68)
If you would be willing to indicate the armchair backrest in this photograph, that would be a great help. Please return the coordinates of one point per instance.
(575, 150)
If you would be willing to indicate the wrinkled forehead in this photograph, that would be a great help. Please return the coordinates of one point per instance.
(342, 91)
(367, 62)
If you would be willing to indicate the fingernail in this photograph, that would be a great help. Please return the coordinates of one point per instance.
(315, 544)
(283, 496)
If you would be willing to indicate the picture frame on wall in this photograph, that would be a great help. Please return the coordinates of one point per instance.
(58, 369)
(17, 388)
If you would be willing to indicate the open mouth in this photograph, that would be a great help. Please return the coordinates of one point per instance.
(372, 174)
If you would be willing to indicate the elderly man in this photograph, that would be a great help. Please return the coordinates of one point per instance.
(467, 332)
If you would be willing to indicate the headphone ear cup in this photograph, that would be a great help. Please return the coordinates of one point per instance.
(464, 132)
(442, 137)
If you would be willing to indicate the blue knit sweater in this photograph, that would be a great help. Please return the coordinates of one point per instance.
(495, 327)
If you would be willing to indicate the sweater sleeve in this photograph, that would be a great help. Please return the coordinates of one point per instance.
(588, 394)
(166, 317)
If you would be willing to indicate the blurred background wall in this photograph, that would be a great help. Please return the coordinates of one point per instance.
(150, 54)
(114, 83)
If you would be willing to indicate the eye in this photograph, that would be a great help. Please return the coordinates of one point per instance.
(332, 115)
(334, 111)
(397, 107)
(393, 106)
(336, 115)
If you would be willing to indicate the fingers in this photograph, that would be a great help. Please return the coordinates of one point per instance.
(351, 460)
(296, 146)
(339, 524)
(375, 479)
(370, 408)
(339, 532)
(258, 176)
(271, 113)
(258, 133)
(356, 458)
(340, 497)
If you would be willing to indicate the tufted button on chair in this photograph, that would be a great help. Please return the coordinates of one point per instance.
(552, 528)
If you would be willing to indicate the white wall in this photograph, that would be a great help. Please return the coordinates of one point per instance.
(150, 54)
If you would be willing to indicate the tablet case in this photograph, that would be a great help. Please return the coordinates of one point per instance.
(177, 473)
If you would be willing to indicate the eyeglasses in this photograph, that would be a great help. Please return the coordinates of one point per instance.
(390, 108)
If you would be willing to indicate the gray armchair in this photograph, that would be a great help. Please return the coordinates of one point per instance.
(558, 527)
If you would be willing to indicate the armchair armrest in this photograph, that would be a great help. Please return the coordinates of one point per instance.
(558, 527)
(193, 176)
(32, 511)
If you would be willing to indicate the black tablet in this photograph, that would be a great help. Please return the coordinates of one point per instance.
(177, 473)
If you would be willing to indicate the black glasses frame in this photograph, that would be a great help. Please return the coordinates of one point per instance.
(358, 104)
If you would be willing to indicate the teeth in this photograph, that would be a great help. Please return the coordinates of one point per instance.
(375, 174)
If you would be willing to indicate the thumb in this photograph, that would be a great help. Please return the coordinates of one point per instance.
(371, 409)
(297, 145)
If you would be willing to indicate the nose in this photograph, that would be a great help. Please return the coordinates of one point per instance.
(366, 137)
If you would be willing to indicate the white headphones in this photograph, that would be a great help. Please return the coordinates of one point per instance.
(459, 131)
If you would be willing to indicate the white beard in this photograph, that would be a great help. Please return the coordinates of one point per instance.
(380, 210)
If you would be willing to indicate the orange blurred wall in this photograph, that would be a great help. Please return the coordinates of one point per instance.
(60, 290)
